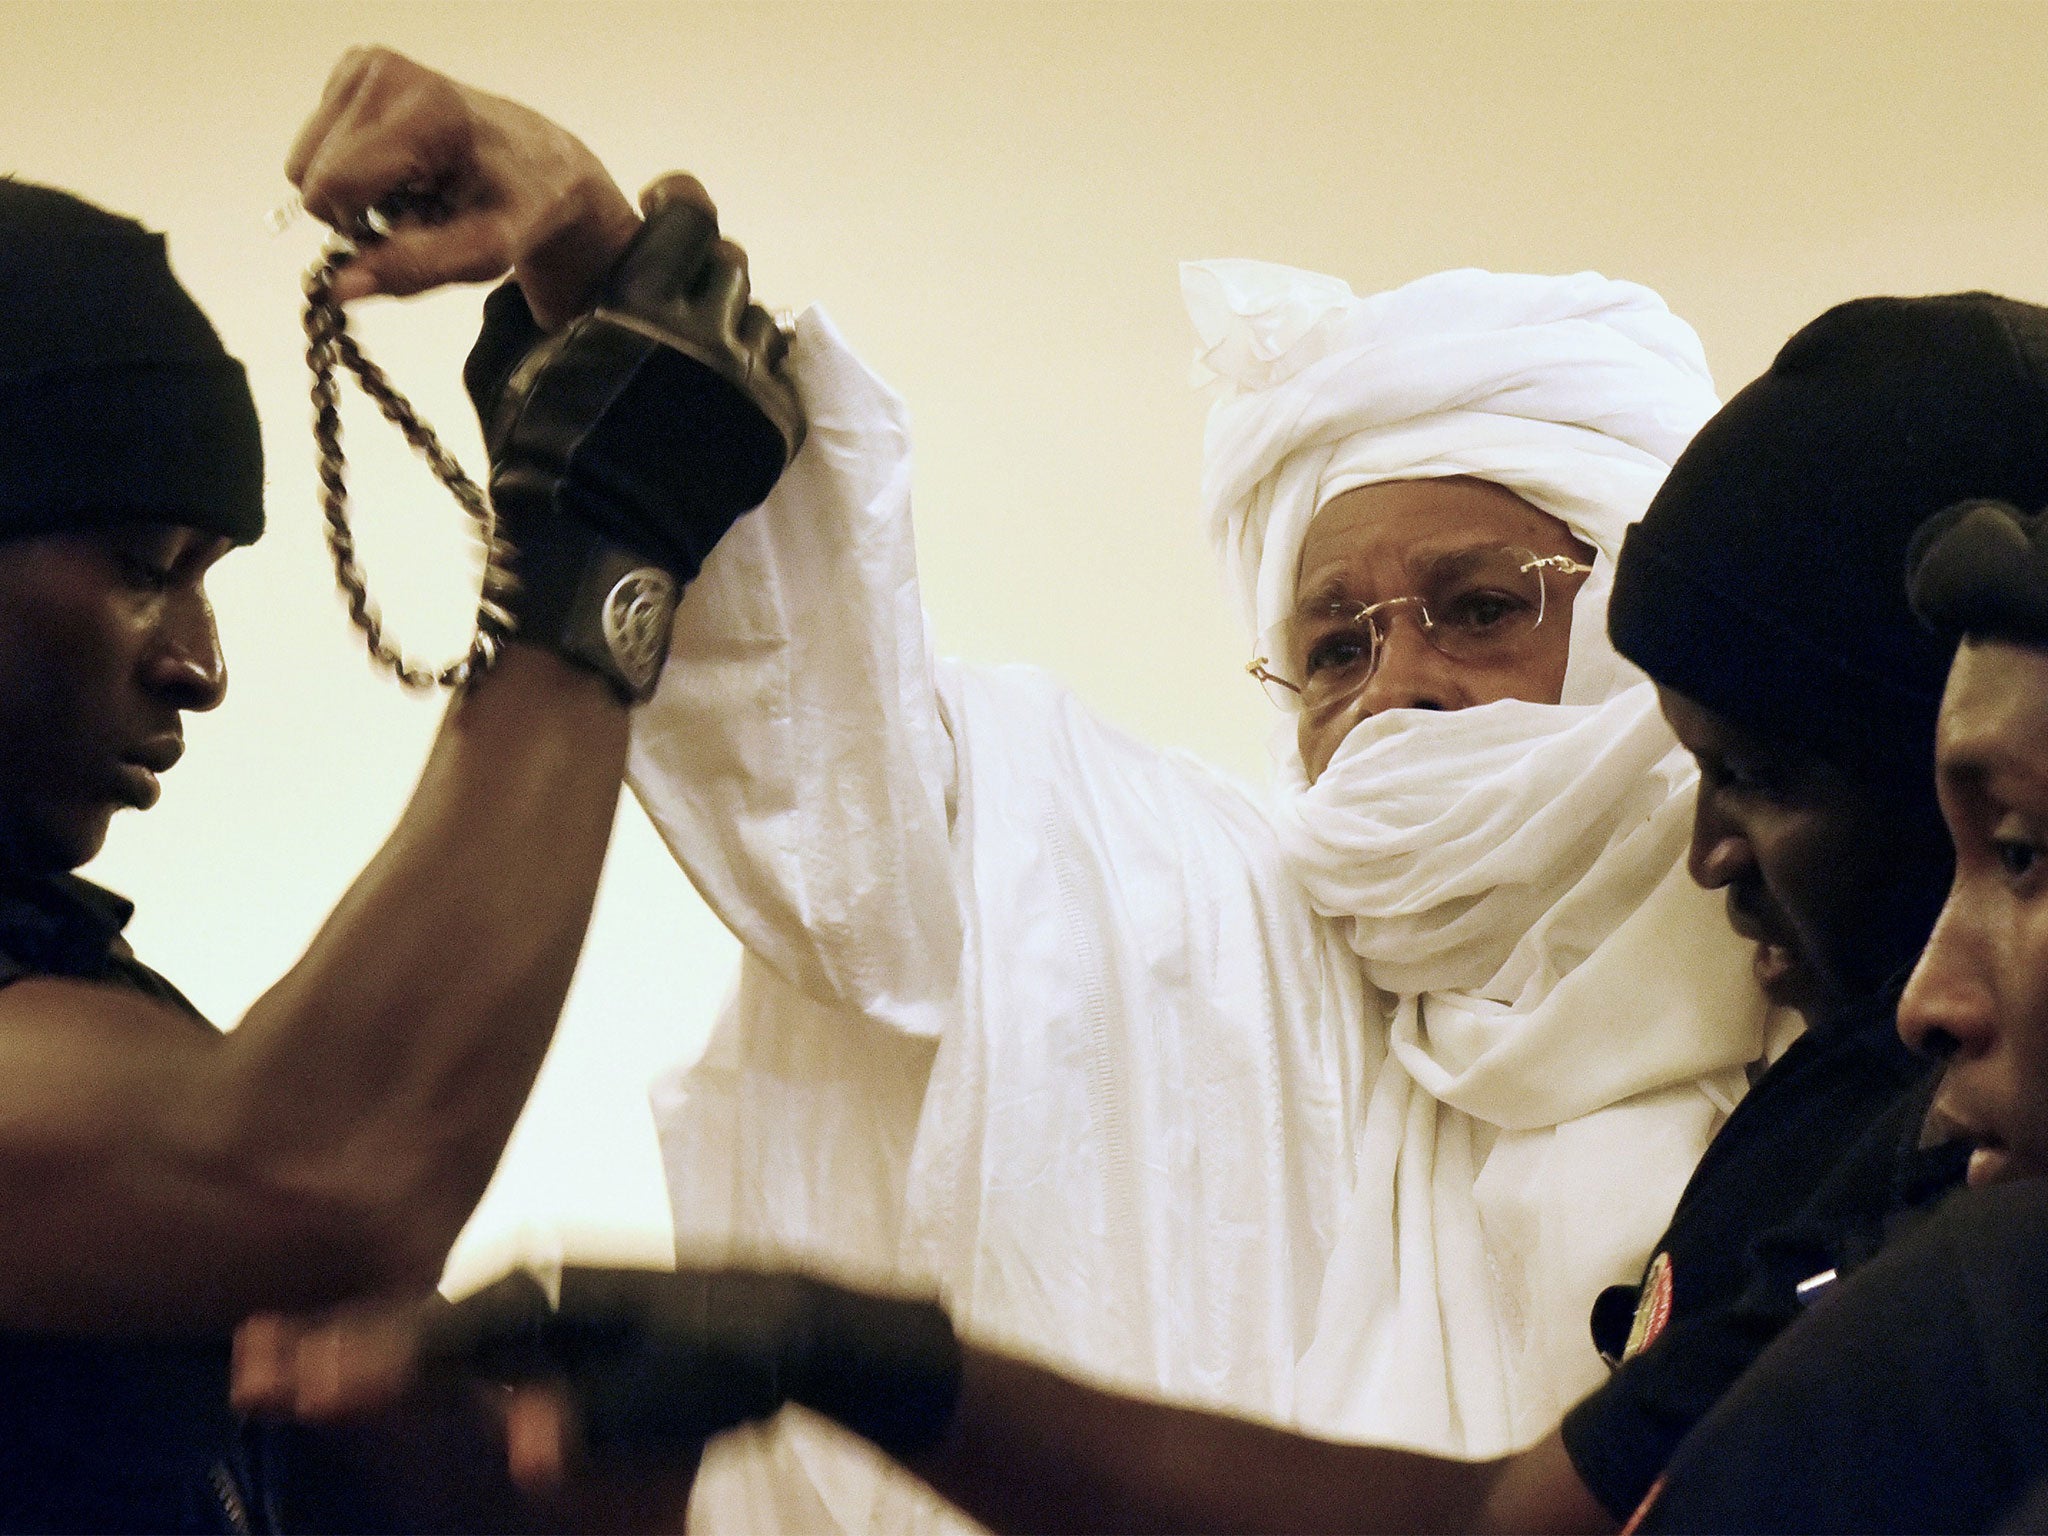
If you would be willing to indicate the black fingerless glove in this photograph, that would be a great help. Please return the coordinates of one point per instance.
(624, 445)
(656, 1361)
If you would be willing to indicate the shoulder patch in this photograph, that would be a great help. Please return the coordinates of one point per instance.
(1653, 1307)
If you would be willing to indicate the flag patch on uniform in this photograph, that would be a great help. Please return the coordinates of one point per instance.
(1653, 1307)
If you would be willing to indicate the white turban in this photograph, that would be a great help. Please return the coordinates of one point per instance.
(1576, 393)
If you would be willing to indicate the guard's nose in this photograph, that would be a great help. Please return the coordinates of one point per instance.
(186, 666)
(1949, 1007)
(1720, 854)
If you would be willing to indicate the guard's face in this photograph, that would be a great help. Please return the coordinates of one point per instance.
(1380, 542)
(1833, 881)
(106, 638)
(1979, 996)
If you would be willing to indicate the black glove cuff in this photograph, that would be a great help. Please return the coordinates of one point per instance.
(598, 603)
(635, 438)
(885, 1367)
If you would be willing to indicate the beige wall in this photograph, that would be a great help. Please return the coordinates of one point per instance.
(990, 199)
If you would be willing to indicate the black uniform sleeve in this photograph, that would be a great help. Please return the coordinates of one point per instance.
(1914, 1398)
(1622, 1436)
(64, 926)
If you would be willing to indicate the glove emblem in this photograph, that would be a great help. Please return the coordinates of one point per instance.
(637, 615)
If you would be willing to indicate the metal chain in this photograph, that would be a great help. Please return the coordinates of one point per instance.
(328, 345)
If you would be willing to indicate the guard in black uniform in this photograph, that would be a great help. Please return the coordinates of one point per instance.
(1915, 1398)
(1763, 589)
(160, 1180)
(108, 1433)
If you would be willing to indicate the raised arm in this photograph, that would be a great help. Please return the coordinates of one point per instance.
(795, 758)
(160, 1177)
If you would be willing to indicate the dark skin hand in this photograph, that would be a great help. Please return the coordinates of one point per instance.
(438, 1462)
(519, 193)
(447, 1455)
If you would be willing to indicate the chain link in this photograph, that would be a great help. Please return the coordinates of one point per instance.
(328, 348)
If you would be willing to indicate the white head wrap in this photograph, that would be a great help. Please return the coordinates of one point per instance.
(1575, 393)
(1509, 876)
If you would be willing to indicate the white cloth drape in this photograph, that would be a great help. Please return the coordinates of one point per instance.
(1051, 1020)
(1576, 393)
(1512, 885)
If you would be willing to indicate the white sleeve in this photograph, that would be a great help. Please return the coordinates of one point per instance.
(790, 1138)
(794, 757)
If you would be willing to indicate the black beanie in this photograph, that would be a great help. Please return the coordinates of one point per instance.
(117, 399)
(1981, 568)
(1766, 579)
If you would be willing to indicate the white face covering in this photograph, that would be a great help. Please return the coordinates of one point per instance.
(1510, 875)
(1444, 839)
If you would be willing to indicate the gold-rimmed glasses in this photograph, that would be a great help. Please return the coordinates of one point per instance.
(1477, 605)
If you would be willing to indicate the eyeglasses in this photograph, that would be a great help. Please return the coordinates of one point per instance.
(1477, 605)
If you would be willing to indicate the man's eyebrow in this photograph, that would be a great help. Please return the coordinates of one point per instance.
(1436, 556)
(1332, 591)
(1994, 770)
(1336, 590)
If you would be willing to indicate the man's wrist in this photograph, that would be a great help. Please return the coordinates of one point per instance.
(564, 273)
(596, 603)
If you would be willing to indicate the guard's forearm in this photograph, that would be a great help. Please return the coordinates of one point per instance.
(1030, 1450)
(658, 1362)
(382, 1075)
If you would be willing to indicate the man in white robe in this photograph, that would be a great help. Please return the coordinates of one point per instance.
(1337, 1106)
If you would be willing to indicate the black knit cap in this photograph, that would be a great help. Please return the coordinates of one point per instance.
(117, 399)
(1766, 581)
(1981, 568)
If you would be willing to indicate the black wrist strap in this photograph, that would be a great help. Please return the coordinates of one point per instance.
(885, 1367)
(656, 1359)
(594, 601)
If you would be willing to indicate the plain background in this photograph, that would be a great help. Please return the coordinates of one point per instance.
(990, 199)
